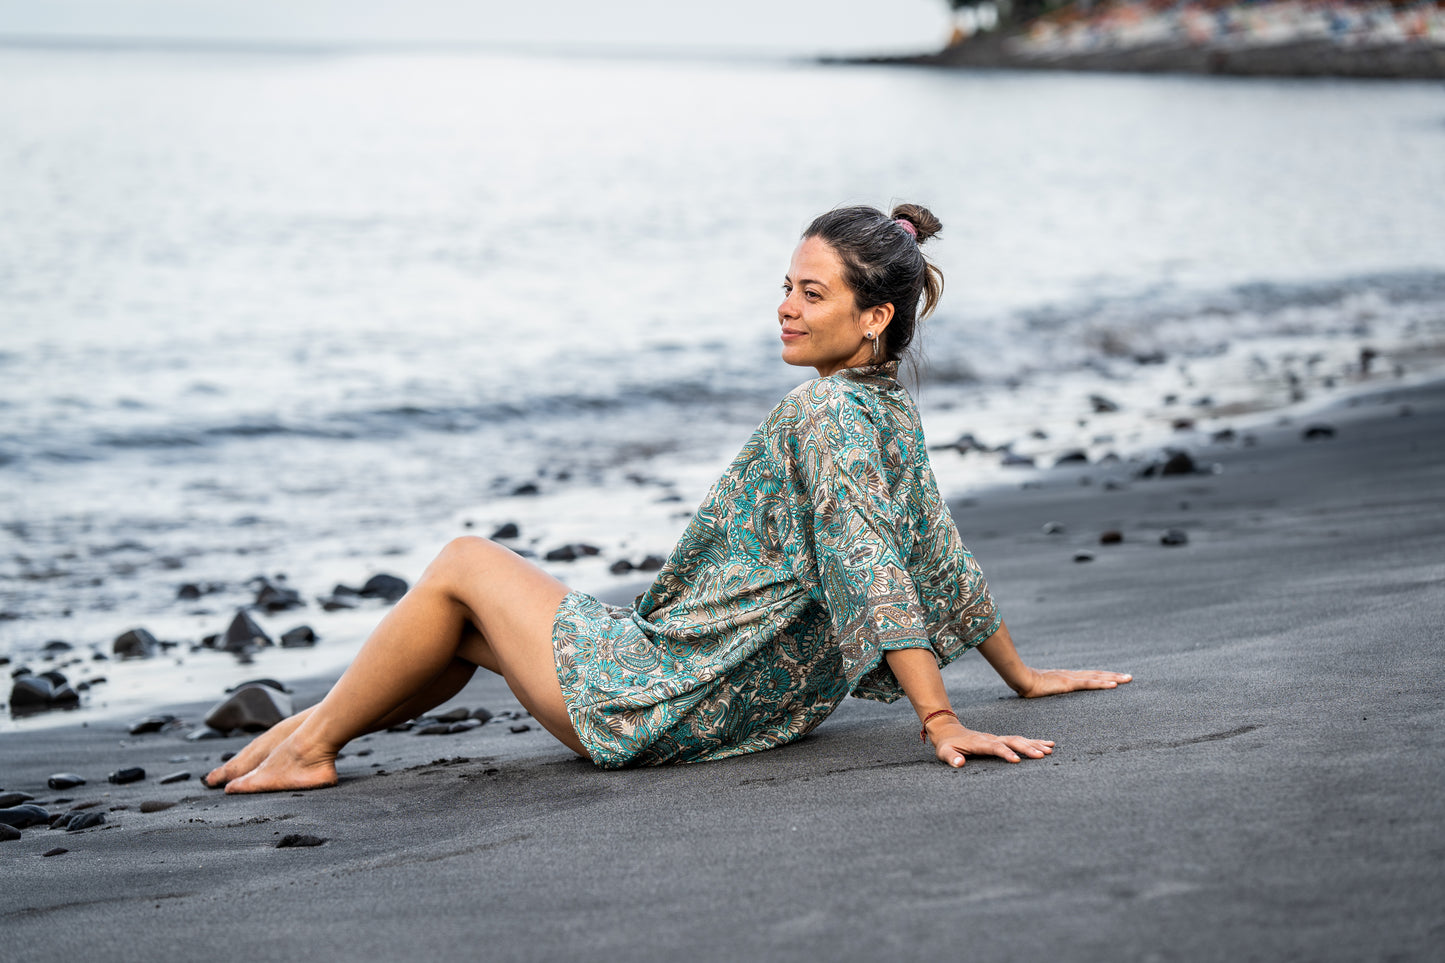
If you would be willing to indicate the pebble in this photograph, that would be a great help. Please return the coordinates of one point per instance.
(268, 682)
(1054, 528)
(520, 727)
(466, 725)
(122, 776)
(1076, 457)
(276, 598)
(299, 637)
(156, 805)
(299, 839)
(508, 530)
(434, 729)
(181, 776)
(81, 821)
(1179, 463)
(454, 715)
(9, 833)
(1175, 536)
(31, 692)
(1102, 405)
(57, 851)
(24, 815)
(56, 647)
(251, 708)
(1016, 461)
(570, 553)
(152, 724)
(1111, 537)
(482, 714)
(620, 567)
(64, 780)
(527, 488)
(134, 644)
(243, 633)
(1223, 436)
(651, 563)
(8, 799)
(387, 587)
(1083, 557)
(1317, 432)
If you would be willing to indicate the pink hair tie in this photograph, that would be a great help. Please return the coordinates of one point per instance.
(907, 225)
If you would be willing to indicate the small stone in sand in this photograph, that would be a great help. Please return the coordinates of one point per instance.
(65, 780)
(57, 851)
(570, 553)
(434, 729)
(520, 727)
(1102, 405)
(251, 708)
(507, 530)
(85, 821)
(299, 637)
(152, 724)
(454, 715)
(1083, 557)
(387, 587)
(135, 644)
(651, 563)
(1175, 536)
(181, 776)
(1179, 463)
(243, 633)
(1053, 528)
(122, 776)
(9, 833)
(1317, 432)
(24, 816)
(291, 840)
(1012, 460)
(156, 805)
(1076, 457)
(8, 799)
(620, 567)
(481, 714)
(204, 733)
(1111, 537)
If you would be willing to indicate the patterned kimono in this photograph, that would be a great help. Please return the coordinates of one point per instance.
(823, 546)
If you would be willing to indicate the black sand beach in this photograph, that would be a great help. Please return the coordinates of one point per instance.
(1267, 788)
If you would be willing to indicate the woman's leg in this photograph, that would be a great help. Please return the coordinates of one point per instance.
(473, 582)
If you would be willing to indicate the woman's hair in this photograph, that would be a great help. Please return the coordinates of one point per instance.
(883, 265)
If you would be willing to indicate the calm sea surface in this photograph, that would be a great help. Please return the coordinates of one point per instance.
(314, 314)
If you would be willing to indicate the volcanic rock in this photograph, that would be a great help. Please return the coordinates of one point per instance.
(481, 714)
(269, 682)
(520, 727)
(1076, 457)
(388, 587)
(569, 553)
(85, 821)
(1053, 528)
(57, 851)
(299, 637)
(135, 644)
(1083, 557)
(1111, 537)
(8, 833)
(204, 733)
(243, 633)
(156, 805)
(56, 647)
(299, 839)
(8, 799)
(251, 708)
(30, 692)
(1318, 432)
(620, 567)
(152, 724)
(1102, 405)
(65, 780)
(509, 530)
(181, 776)
(1175, 536)
(122, 776)
(24, 816)
(454, 715)
(277, 598)
(651, 563)
(1012, 460)
(1179, 463)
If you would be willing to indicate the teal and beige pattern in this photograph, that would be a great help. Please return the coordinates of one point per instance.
(824, 545)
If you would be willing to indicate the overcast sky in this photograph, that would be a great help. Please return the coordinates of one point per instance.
(793, 26)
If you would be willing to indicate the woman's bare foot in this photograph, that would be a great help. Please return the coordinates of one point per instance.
(289, 766)
(255, 752)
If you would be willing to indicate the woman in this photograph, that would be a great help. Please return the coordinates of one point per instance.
(822, 563)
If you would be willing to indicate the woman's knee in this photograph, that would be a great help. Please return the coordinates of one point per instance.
(463, 556)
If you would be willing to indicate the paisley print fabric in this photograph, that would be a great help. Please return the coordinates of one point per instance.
(824, 545)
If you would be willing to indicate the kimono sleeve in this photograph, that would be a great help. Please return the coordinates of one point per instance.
(871, 600)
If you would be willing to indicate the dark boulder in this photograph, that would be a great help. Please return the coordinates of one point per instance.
(508, 530)
(9, 834)
(277, 598)
(299, 839)
(85, 821)
(482, 715)
(1111, 537)
(122, 776)
(1083, 556)
(570, 553)
(651, 563)
(299, 637)
(1223, 436)
(527, 488)
(30, 692)
(188, 592)
(1179, 463)
(387, 587)
(1175, 536)
(1076, 457)
(1102, 405)
(271, 683)
(8, 799)
(135, 644)
(56, 647)
(251, 708)
(620, 567)
(152, 724)
(454, 715)
(1318, 432)
(169, 778)
(24, 816)
(243, 633)
(205, 733)
(65, 780)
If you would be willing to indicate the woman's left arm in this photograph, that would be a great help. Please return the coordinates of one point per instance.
(999, 650)
(917, 672)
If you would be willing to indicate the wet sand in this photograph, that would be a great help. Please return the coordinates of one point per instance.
(1268, 787)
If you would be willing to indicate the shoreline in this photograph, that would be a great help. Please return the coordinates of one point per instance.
(1315, 59)
(1265, 788)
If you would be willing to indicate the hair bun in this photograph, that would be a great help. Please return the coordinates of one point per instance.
(920, 217)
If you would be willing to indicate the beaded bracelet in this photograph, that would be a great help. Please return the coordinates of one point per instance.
(923, 733)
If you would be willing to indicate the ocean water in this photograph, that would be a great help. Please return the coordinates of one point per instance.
(315, 313)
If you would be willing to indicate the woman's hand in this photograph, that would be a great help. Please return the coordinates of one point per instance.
(952, 743)
(1049, 682)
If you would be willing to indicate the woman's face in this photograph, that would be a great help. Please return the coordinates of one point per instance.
(821, 324)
